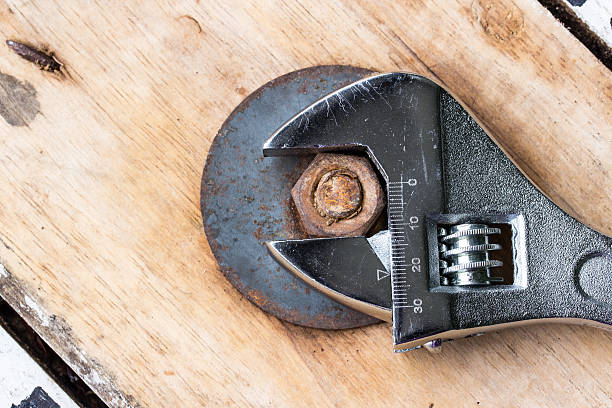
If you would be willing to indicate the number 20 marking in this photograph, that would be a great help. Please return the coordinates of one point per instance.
(416, 265)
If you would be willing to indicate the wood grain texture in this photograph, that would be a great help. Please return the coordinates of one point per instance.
(102, 237)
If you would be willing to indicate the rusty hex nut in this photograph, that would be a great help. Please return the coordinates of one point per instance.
(338, 195)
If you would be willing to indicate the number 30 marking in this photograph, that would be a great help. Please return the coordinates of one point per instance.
(418, 306)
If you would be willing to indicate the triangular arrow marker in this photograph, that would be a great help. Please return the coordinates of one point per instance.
(381, 274)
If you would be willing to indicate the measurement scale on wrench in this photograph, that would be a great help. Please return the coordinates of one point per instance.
(452, 223)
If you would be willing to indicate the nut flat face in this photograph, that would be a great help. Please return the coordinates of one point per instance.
(338, 195)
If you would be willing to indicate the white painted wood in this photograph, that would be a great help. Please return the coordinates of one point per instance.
(20, 374)
(596, 14)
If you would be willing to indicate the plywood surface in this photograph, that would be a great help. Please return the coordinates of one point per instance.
(101, 234)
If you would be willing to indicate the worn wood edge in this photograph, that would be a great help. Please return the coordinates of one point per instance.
(581, 28)
(55, 331)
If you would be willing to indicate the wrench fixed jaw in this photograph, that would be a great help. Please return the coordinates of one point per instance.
(381, 115)
(297, 139)
(329, 123)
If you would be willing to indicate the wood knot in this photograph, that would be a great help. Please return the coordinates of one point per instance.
(502, 21)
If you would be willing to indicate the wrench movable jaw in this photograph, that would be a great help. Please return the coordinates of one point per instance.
(346, 269)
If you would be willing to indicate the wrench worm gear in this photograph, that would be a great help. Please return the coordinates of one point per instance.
(464, 255)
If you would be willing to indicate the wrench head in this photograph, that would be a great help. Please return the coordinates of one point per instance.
(394, 119)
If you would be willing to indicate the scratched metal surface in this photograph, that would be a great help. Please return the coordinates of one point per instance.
(246, 200)
(569, 266)
(561, 268)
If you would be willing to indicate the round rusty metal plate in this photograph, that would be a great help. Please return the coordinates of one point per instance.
(246, 200)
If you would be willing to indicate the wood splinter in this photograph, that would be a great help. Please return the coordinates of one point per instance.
(46, 61)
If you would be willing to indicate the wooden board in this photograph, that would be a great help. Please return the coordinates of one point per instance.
(100, 226)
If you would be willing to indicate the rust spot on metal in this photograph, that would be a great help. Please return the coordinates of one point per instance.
(330, 318)
(338, 195)
(246, 199)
